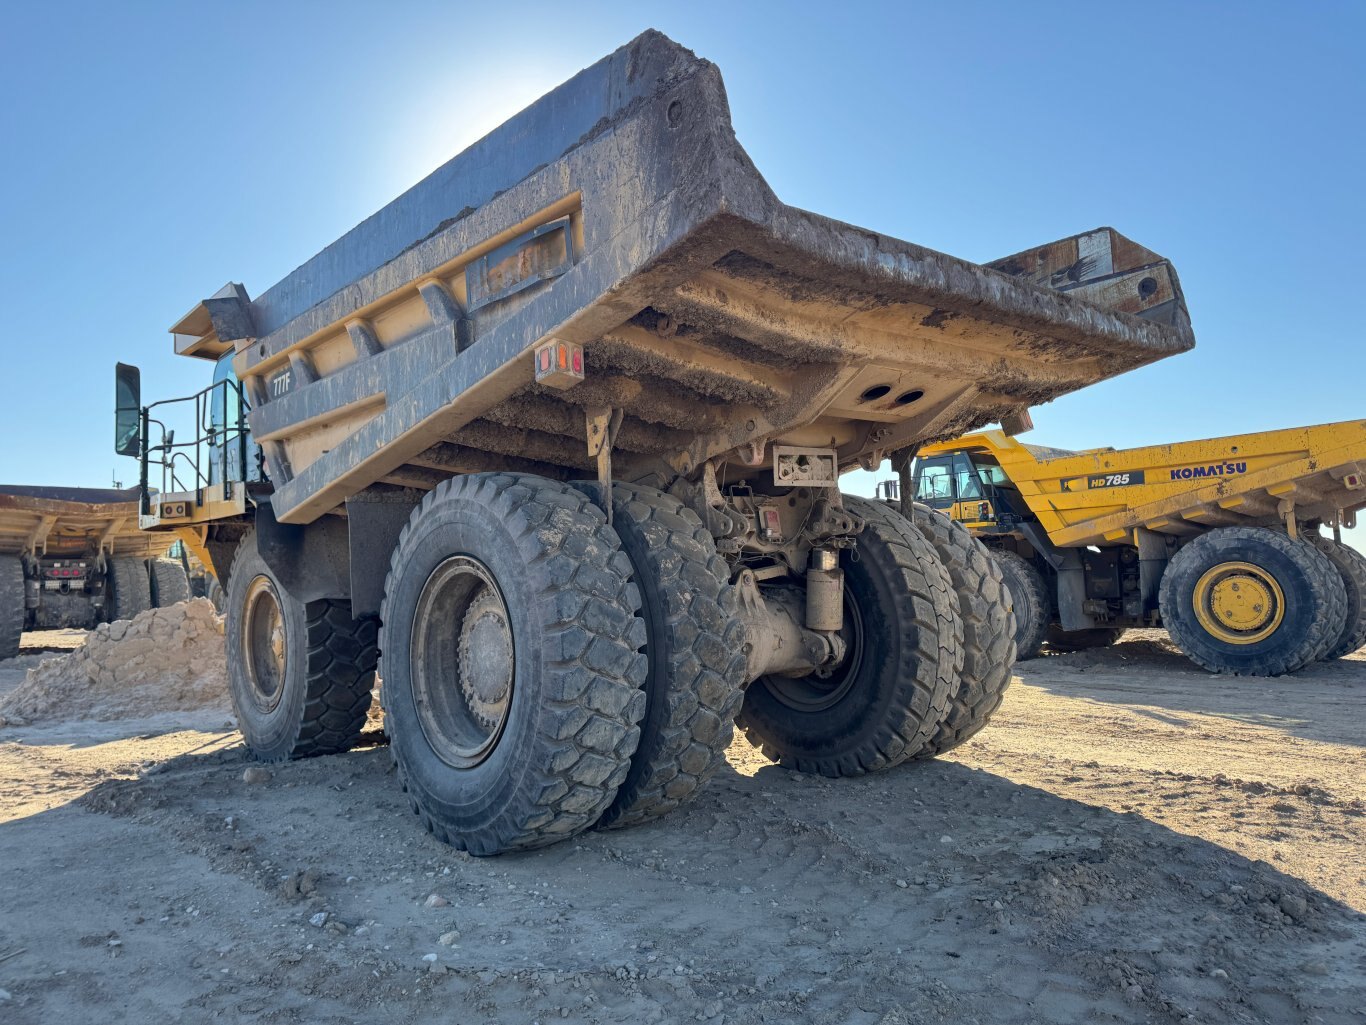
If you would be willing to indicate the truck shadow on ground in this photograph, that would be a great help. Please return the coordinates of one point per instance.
(932, 892)
(1320, 702)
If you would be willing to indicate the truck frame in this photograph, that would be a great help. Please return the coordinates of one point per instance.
(560, 430)
(1220, 540)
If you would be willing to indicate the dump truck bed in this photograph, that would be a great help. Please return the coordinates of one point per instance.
(73, 522)
(1102, 495)
(619, 216)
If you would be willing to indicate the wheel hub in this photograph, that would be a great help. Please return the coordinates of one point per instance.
(486, 659)
(824, 688)
(1239, 602)
(463, 662)
(263, 643)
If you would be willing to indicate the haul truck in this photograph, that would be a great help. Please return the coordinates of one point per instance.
(75, 558)
(560, 432)
(1219, 541)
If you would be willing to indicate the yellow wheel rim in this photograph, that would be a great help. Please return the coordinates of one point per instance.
(1239, 603)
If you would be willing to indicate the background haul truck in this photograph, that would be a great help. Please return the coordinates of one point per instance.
(75, 558)
(568, 419)
(1220, 541)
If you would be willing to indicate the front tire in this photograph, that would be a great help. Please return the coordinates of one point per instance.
(904, 634)
(1252, 602)
(299, 674)
(1030, 602)
(512, 666)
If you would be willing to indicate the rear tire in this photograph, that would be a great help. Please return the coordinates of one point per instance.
(13, 610)
(988, 630)
(884, 703)
(130, 588)
(529, 744)
(169, 583)
(1351, 566)
(299, 674)
(1062, 640)
(1251, 602)
(694, 684)
(1030, 602)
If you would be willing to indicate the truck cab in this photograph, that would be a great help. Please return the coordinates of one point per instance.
(968, 485)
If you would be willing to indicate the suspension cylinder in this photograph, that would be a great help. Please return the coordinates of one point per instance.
(824, 591)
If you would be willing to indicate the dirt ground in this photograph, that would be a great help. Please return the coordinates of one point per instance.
(1131, 841)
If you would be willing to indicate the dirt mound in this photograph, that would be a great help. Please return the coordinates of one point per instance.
(164, 660)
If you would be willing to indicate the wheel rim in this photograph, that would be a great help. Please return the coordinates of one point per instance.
(1239, 602)
(265, 651)
(824, 689)
(463, 662)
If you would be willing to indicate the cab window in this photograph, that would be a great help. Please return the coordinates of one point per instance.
(223, 409)
(934, 481)
(989, 471)
(965, 478)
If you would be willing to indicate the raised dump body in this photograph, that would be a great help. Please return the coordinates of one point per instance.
(618, 215)
(74, 557)
(569, 417)
(1097, 530)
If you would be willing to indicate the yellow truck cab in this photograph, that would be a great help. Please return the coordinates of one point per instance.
(1218, 540)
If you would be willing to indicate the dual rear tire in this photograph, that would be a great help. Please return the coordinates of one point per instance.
(1351, 567)
(531, 746)
(1250, 601)
(931, 646)
(546, 672)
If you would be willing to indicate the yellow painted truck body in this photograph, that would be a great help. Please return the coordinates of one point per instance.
(1101, 496)
(1097, 530)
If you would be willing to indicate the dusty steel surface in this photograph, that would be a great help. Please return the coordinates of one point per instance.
(620, 214)
(73, 522)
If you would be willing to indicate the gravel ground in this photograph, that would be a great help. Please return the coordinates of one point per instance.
(1131, 841)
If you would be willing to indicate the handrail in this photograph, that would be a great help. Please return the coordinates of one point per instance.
(187, 465)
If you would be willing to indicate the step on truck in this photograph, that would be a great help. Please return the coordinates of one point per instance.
(1220, 541)
(72, 558)
(560, 431)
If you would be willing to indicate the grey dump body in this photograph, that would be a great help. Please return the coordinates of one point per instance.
(619, 216)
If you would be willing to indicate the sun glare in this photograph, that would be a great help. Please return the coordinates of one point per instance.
(458, 110)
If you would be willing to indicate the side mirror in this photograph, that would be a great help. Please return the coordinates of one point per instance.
(127, 410)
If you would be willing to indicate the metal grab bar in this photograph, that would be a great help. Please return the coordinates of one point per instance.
(187, 465)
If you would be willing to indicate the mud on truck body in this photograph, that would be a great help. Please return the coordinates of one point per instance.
(560, 430)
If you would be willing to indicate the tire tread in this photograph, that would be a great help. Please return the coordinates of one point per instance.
(588, 728)
(703, 647)
(988, 630)
(13, 611)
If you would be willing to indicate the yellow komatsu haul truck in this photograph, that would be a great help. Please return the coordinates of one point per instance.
(1220, 541)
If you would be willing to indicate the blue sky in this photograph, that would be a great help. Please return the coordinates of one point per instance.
(152, 152)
